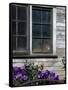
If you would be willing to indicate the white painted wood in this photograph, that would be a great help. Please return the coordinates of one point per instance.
(54, 31)
(60, 25)
(30, 29)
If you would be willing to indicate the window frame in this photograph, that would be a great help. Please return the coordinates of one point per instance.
(53, 32)
(29, 31)
(17, 22)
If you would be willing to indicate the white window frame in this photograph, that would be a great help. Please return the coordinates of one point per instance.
(54, 31)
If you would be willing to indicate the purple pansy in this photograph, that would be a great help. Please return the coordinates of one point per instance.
(52, 75)
(57, 77)
(43, 74)
(21, 74)
(24, 77)
(17, 70)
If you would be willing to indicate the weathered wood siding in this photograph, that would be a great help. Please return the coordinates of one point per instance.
(60, 31)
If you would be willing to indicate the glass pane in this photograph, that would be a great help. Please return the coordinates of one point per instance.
(36, 45)
(14, 42)
(47, 45)
(36, 16)
(13, 27)
(46, 31)
(21, 43)
(22, 13)
(36, 30)
(13, 10)
(46, 16)
(22, 28)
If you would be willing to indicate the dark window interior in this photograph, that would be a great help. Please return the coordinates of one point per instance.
(19, 27)
(42, 30)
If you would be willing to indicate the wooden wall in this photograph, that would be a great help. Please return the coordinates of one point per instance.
(60, 31)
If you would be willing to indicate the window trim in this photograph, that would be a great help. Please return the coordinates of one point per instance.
(53, 31)
(30, 29)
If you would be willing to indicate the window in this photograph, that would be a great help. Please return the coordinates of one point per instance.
(41, 30)
(35, 26)
(19, 27)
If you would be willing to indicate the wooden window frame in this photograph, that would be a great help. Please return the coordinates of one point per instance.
(54, 33)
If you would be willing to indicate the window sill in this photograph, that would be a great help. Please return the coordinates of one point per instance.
(21, 54)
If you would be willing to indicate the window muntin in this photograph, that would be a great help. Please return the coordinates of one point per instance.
(19, 27)
(41, 30)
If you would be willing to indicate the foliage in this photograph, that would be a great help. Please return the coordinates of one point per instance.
(32, 72)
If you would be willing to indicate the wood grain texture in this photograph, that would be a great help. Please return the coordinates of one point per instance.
(60, 31)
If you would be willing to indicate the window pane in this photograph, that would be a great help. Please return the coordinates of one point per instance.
(46, 31)
(46, 16)
(22, 28)
(22, 13)
(36, 14)
(36, 30)
(47, 45)
(21, 43)
(13, 27)
(13, 10)
(36, 45)
(14, 42)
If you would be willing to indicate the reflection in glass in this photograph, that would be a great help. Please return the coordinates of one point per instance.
(36, 30)
(36, 14)
(22, 13)
(13, 10)
(22, 28)
(46, 31)
(14, 28)
(21, 42)
(45, 16)
(14, 42)
(36, 45)
(46, 45)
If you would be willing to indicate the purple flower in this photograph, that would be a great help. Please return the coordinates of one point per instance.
(47, 73)
(52, 75)
(17, 70)
(39, 76)
(24, 72)
(19, 73)
(24, 77)
(57, 77)
(43, 74)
